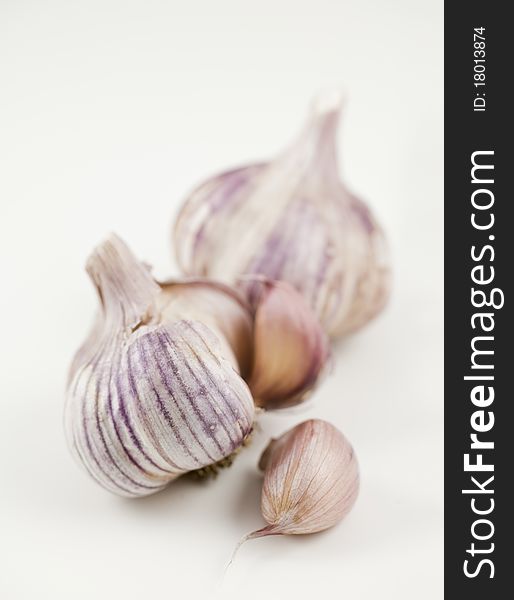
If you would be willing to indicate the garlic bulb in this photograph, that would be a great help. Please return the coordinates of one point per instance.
(291, 219)
(311, 480)
(290, 348)
(152, 393)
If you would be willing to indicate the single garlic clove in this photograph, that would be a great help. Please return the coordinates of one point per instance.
(291, 219)
(149, 397)
(311, 480)
(221, 308)
(290, 348)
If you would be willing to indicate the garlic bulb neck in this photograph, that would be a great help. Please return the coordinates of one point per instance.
(316, 147)
(125, 286)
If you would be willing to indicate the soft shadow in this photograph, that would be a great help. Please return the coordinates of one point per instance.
(178, 492)
(344, 346)
(246, 507)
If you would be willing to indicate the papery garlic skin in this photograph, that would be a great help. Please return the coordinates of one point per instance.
(290, 348)
(150, 395)
(217, 306)
(291, 219)
(311, 480)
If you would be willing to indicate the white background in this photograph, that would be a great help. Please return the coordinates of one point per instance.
(110, 111)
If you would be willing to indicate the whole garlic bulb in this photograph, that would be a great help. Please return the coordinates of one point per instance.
(291, 219)
(152, 393)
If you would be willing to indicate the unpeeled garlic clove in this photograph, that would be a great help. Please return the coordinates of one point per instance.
(291, 219)
(311, 480)
(151, 395)
(221, 308)
(290, 348)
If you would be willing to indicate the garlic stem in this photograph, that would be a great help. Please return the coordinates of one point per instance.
(318, 140)
(125, 286)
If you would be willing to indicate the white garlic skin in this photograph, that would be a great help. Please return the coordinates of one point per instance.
(150, 396)
(291, 219)
(311, 480)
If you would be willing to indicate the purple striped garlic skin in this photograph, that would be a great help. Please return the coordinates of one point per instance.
(291, 219)
(311, 480)
(151, 394)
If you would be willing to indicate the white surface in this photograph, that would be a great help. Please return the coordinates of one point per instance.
(109, 113)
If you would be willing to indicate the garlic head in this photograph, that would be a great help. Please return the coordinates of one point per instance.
(151, 395)
(291, 219)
